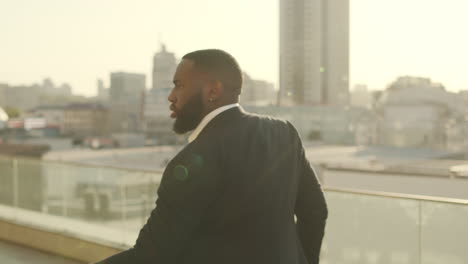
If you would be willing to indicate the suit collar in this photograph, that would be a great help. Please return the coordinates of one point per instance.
(207, 120)
(221, 118)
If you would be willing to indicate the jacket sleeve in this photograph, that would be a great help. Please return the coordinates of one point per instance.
(311, 208)
(186, 192)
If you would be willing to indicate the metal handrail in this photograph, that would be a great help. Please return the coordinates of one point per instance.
(81, 164)
(397, 195)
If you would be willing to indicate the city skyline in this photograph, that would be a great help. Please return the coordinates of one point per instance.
(60, 39)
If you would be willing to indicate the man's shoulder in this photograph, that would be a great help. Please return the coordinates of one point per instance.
(273, 122)
(234, 125)
(255, 117)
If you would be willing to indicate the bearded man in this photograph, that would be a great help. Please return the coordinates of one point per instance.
(232, 194)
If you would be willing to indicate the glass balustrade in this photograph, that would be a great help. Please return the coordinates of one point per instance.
(113, 203)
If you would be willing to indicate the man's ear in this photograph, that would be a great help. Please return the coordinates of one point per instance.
(216, 90)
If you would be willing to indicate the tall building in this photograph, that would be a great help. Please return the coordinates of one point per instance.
(102, 92)
(158, 124)
(314, 52)
(126, 101)
(164, 65)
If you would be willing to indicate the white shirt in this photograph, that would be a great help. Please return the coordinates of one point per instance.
(207, 119)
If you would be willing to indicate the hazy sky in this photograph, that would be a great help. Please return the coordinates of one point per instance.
(78, 41)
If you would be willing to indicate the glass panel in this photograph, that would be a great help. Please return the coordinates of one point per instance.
(28, 185)
(80, 191)
(134, 186)
(444, 233)
(368, 229)
(54, 188)
(6, 181)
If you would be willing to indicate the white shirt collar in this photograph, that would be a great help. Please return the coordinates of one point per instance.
(207, 119)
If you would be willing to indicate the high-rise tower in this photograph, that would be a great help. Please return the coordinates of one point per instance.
(314, 52)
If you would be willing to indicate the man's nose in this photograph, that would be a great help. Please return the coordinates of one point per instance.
(171, 98)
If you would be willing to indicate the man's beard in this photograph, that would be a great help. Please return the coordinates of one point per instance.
(190, 115)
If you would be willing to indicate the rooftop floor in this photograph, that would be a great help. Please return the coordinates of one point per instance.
(14, 254)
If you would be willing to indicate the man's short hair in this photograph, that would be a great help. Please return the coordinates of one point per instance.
(221, 64)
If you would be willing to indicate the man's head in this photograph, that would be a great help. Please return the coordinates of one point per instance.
(204, 80)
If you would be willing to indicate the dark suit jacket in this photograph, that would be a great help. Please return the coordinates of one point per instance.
(230, 196)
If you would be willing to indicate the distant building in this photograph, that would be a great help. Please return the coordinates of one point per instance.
(314, 52)
(415, 112)
(164, 66)
(257, 92)
(158, 124)
(82, 120)
(48, 88)
(3, 94)
(26, 97)
(337, 125)
(102, 92)
(126, 101)
(361, 96)
(22, 97)
(464, 96)
(53, 115)
(64, 90)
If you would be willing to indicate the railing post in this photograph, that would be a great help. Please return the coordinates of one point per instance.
(15, 182)
(123, 201)
(64, 189)
(420, 223)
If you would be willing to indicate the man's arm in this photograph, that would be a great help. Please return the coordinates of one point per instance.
(311, 209)
(183, 197)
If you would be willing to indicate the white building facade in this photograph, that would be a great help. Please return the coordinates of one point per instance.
(415, 112)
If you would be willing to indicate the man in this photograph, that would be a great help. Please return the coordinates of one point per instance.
(231, 194)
